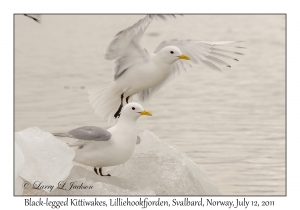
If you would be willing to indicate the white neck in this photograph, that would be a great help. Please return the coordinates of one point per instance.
(128, 122)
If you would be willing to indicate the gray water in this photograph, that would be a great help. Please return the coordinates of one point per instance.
(232, 123)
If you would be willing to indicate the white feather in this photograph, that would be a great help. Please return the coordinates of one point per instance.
(140, 73)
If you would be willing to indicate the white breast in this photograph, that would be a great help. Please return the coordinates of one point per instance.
(141, 77)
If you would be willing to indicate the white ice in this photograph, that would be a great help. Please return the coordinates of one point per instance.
(19, 166)
(156, 168)
(48, 160)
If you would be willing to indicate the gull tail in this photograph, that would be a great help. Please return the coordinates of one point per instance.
(106, 101)
(69, 142)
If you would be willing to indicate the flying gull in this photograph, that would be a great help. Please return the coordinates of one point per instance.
(138, 72)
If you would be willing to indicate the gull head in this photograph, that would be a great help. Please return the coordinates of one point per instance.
(170, 54)
(134, 111)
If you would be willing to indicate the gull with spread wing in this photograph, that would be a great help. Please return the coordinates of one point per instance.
(140, 73)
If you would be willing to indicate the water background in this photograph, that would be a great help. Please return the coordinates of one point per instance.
(232, 123)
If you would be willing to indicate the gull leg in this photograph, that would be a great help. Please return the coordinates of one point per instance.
(100, 171)
(118, 113)
(127, 99)
(95, 169)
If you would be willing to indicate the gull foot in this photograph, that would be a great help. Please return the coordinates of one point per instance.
(95, 169)
(127, 99)
(118, 113)
(100, 171)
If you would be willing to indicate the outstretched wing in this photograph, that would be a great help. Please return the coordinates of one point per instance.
(126, 47)
(211, 53)
(204, 51)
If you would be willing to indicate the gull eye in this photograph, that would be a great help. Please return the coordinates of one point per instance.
(171, 52)
(133, 108)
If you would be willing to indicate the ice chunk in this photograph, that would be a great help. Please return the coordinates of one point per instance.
(93, 184)
(156, 168)
(164, 169)
(19, 165)
(48, 160)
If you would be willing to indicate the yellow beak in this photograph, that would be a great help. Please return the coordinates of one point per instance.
(185, 57)
(145, 112)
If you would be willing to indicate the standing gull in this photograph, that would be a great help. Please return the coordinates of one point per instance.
(101, 148)
(142, 73)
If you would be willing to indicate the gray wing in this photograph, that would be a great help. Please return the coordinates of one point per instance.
(126, 47)
(87, 133)
(211, 53)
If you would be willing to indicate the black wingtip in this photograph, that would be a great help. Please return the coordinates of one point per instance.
(239, 53)
(33, 18)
